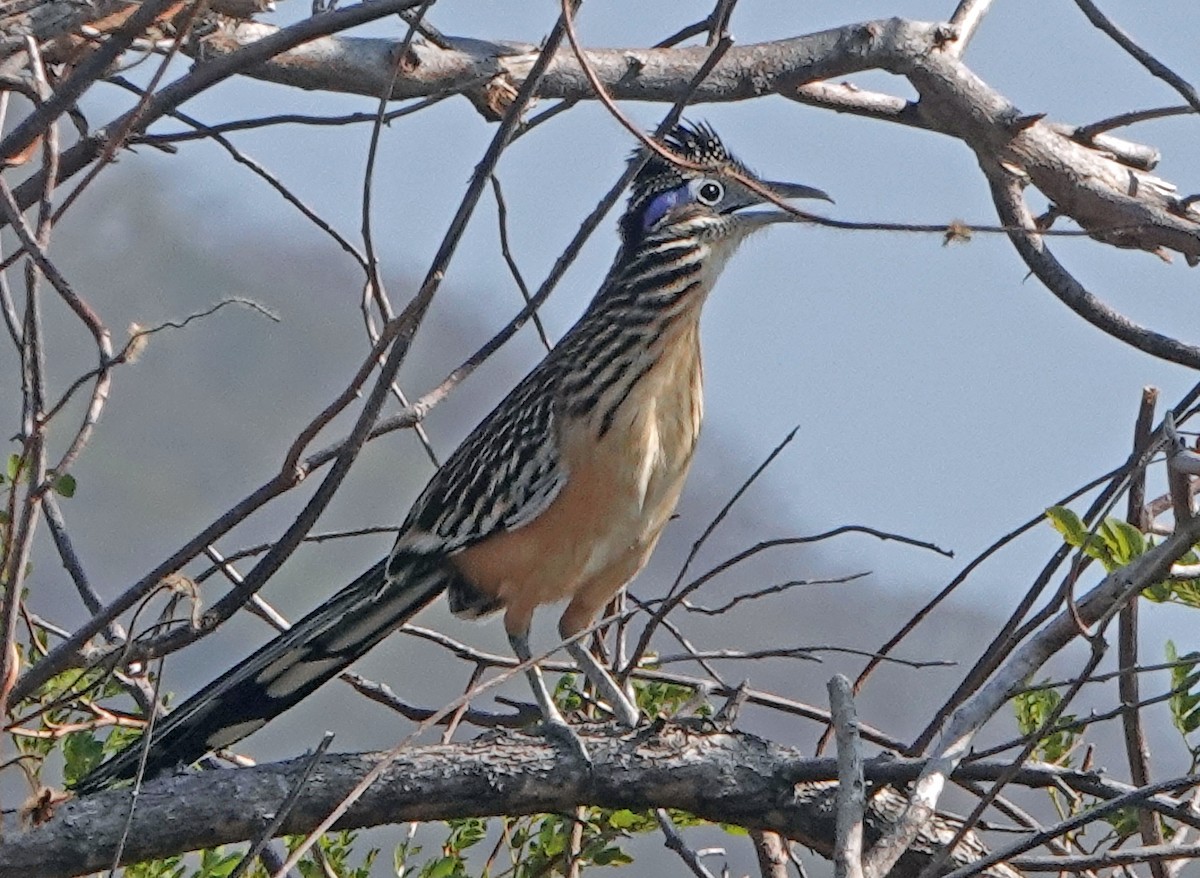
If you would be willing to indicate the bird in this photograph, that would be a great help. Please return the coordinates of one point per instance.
(559, 494)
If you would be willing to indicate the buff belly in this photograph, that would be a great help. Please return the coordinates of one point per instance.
(622, 488)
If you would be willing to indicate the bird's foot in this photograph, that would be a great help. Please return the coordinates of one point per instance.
(560, 733)
(627, 712)
(620, 701)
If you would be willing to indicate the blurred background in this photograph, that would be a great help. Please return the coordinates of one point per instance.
(939, 393)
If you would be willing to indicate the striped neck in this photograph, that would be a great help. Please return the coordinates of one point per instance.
(650, 302)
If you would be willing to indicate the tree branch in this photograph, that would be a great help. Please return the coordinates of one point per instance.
(672, 766)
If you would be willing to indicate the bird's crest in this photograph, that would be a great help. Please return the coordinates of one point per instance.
(695, 143)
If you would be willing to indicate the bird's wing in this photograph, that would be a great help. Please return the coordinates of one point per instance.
(501, 477)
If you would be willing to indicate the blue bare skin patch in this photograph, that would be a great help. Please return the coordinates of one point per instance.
(660, 204)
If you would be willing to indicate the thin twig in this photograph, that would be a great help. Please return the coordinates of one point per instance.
(201, 77)
(778, 588)
(1080, 723)
(210, 132)
(83, 75)
(674, 842)
(371, 262)
(20, 527)
(732, 561)
(1147, 60)
(206, 131)
(770, 700)
(963, 726)
(70, 560)
(251, 551)
(1121, 120)
(144, 752)
(1137, 749)
(1090, 815)
(967, 825)
(1027, 238)
(1011, 632)
(807, 653)
(116, 136)
(137, 342)
(374, 287)
(1155, 855)
(511, 262)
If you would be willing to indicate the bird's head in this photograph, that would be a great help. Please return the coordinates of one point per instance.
(667, 198)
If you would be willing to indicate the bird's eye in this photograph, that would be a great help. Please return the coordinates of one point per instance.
(710, 192)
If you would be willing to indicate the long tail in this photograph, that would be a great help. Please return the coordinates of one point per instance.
(283, 672)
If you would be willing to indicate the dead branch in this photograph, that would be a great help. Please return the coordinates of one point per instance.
(764, 786)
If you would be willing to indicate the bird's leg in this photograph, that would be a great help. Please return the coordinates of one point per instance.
(552, 720)
(608, 687)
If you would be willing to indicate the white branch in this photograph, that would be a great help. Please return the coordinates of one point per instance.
(847, 852)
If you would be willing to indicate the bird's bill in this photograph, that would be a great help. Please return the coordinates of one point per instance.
(796, 190)
(785, 192)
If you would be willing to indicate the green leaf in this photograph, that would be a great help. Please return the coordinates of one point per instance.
(624, 819)
(1067, 523)
(612, 856)
(552, 837)
(401, 855)
(443, 868)
(119, 739)
(82, 752)
(466, 833)
(1123, 539)
(14, 467)
(65, 485)
(1159, 592)
(1124, 821)
(656, 698)
(1185, 680)
(684, 818)
(168, 868)
(216, 864)
(1032, 710)
(1187, 592)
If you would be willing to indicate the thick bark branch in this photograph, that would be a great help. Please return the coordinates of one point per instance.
(721, 776)
(726, 776)
(1114, 199)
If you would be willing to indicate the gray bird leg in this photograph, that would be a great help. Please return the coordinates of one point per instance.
(553, 723)
(609, 689)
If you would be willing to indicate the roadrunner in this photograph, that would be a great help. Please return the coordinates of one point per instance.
(559, 494)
